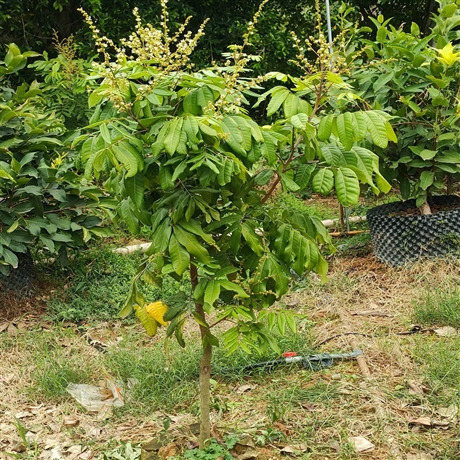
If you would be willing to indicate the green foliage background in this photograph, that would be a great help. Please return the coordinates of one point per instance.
(30, 24)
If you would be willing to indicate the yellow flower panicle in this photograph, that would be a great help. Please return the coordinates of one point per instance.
(156, 310)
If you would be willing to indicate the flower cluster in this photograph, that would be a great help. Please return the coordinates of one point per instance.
(230, 99)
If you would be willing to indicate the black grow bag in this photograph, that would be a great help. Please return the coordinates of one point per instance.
(399, 238)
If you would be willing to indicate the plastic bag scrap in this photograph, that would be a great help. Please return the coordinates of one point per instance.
(97, 399)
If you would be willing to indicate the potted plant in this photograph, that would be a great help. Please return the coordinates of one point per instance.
(415, 79)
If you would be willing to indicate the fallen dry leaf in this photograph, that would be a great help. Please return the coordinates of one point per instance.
(419, 456)
(416, 388)
(421, 421)
(361, 444)
(244, 388)
(71, 421)
(450, 412)
(447, 331)
(12, 330)
(295, 449)
(22, 326)
(168, 451)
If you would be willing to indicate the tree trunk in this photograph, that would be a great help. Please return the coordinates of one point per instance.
(205, 370)
(425, 209)
(205, 396)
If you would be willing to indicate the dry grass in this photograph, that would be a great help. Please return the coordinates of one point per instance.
(319, 411)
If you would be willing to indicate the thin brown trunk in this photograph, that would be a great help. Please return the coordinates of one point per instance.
(425, 209)
(205, 396)
(342, 217)
(205, 371)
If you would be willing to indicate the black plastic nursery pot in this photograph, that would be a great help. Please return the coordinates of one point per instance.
(400, 234)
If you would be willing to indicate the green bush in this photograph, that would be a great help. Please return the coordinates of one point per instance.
(43, 203)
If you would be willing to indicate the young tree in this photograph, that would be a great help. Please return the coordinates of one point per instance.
(185, 159)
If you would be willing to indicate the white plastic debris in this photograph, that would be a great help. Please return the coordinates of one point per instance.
(96, 399)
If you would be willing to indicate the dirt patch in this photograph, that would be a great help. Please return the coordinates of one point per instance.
(14, 306)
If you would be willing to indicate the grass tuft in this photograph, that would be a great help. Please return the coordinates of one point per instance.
(438, 308)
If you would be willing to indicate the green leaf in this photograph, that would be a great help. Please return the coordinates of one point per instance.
(194, 227)
(449, 157)
(299, 121)
(323, 181)
(376, 124)
(233, 137)
(245, 129)
(211, 294)
(277, 98)
(263, 177)
(288, 183)
(345, 131)
(381, 34)
(346, 186)
(172, 140)
(160, 239)
(291, 106)
(229, 286)
(268, 149)
(128, 306)
(10, 257)
(426, 179)
(254, 241)
(404, 188)
(192, 245)
(415, 29)
(325, 127)
(180, 258)
(180, 168)
(128, 156)
(225, 173)
(128, 216)
(134, 188)
(428, 154)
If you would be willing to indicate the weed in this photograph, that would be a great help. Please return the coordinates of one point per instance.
(31, 447)
(213, 451)
(440, 364)
(56, 366)
(126, 451)
(311, 207)
(164, 379)
(281, 402)
(438, 308)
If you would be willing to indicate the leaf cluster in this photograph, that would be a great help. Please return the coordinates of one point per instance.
(415, 79)
(41, 198)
